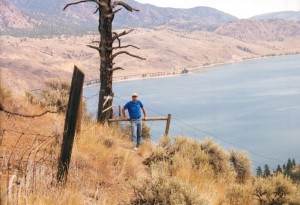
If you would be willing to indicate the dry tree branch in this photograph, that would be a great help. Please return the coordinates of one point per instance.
(113, 13)
(120, 47)
(79, 2)
(94, 47)
(97, 10)
(126, 6)
(117, 38)
(118, 35)
(115, 69)
(127, 53)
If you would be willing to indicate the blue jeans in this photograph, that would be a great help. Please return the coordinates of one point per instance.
(136, 131)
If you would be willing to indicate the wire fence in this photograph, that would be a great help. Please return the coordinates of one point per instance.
(28, 160)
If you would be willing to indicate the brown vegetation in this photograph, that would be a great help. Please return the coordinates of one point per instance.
(105, 170)
(55, 57)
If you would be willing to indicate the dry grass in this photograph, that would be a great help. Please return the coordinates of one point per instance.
(55, 57)
(105, 170)
(101, 171)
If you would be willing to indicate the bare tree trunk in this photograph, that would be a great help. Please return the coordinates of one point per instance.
(105, 51)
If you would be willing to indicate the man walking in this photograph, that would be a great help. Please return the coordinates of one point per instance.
(134, 108)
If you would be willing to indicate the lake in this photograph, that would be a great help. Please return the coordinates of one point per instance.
(252, 105)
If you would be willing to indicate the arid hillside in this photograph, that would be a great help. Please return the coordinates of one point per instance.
(27, 62)
(12, 18)
(104, 168)
(287, 15)
(259, 31)
(80, 18)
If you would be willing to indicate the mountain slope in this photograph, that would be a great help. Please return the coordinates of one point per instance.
(82, 16)
(190, 19)
(167, 51)
(262, 30)
(286, 15)
(12, 18)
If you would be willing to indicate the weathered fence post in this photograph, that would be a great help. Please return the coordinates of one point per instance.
(80, 115)
(168, 125)
(70, 125)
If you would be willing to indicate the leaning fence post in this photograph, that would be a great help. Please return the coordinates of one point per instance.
(70, 125)
(168, 125)
(80, 115)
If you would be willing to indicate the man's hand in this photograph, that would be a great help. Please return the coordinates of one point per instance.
(126, 118)
(145, 118)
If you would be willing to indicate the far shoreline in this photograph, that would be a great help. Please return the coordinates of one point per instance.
(199, 69)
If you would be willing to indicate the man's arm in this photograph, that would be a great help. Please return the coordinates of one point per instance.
(144, 112)
(124, 114)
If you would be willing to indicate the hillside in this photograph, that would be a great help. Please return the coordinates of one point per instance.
(259, 31)
(187, 19)
(37, 59)
(286, 15)
(81, 18)
(12, 18)
(104, 169)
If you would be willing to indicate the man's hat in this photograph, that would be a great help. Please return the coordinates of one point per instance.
(134, 95)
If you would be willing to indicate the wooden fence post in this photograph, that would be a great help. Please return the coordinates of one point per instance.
(70, 125)
(168, 125)
(80, 115)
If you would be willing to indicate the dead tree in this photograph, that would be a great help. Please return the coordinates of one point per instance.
(107, 10)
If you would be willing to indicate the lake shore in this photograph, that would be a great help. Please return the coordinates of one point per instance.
(193, 70)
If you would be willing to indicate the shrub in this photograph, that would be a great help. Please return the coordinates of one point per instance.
(242, 165)
(165, 141)
(218, 158)
(238, 194)
(146, 134)
(163, 189)
(56, 96)
(274, 190)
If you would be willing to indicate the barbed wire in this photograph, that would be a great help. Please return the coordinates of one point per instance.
(2, 109)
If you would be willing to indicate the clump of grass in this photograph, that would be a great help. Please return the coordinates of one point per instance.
(55, 97)
(109, 142)
(242, 165)
(165, 141)
(163, 189)
(237, 194)
(218, 158)
(146, 132)
(274, 190)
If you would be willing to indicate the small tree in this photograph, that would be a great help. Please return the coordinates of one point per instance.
(278, 170)
(283, 167)
(107, 10)
(294, 162)
(289, 167)
(267, 171)
(259, 172)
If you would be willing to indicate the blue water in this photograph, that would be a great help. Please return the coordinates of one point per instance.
(252, 105)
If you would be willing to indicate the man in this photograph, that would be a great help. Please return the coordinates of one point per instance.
(134, 108)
